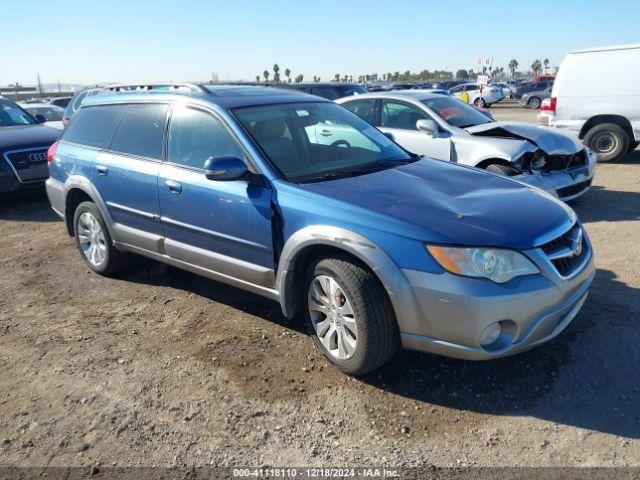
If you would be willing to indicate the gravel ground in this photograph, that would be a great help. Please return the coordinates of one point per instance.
(162, 367)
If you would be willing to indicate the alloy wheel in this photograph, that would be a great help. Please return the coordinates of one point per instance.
(332, 317)
(92, 239)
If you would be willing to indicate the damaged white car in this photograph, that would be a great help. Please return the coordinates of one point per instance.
(445, 128)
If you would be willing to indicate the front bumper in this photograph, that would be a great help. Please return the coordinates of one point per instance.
(456, 310)
(563, 184)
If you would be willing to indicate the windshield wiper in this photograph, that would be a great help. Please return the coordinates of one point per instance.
(370, 168)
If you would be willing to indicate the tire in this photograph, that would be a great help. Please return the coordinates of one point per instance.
(93, 240)
(499, 169)
(633, 146)
(479, 102)
(608, 140)
(534, 103)
(355, 329)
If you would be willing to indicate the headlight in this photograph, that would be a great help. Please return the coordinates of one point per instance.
(496, 264)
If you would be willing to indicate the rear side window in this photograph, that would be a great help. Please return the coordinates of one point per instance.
(94, 126)
(365, 109)
(141, 131)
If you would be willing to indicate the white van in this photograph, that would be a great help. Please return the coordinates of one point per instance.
(596, 95)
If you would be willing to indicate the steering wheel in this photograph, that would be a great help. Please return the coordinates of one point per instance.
(338, 144)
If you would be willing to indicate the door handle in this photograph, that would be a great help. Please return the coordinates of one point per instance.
(102, 170)
(174, 187)
(325, 133)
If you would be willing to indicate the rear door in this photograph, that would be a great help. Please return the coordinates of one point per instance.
(126, 175)
(399, 119)
(223, 226)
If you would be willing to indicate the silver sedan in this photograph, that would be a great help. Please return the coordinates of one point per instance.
(445, 128)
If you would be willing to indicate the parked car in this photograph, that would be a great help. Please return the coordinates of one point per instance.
(52, 113)
(504, 87)
(330, 91)
(375, 247)
(23, 149)
(449, 84)
(61, 102)
(534, 98)
(447, 129)
(527, 87)
(479, 95)
(600, 105)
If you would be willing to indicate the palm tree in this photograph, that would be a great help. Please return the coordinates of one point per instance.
(258, 78)
(265, 74)
(536, 66)
(513, 66)
(276, 72)
(336, 78)
(545, 62)
(287, 73)
(299, 78)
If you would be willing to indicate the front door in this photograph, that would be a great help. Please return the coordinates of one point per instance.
(223, 226)
(399, 119)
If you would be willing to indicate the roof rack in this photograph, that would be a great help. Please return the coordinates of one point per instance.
(148, 87)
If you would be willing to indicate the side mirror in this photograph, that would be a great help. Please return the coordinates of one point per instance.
(224, 168)
(40, 118)
(427, 126)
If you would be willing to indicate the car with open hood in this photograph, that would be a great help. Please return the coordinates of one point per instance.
(23, 149)
(374, 247)
(447, 129)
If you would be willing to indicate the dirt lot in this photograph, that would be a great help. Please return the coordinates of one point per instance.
(162, 367)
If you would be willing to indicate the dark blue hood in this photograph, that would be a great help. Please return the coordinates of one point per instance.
(24, 136)
(452, 204)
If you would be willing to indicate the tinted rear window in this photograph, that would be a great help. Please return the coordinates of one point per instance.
(141, 131)
(94, 126)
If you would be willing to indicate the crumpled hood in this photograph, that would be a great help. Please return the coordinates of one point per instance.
(25, 136)
(551, 140)
(441, 202)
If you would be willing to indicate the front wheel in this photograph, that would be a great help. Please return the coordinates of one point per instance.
(93, 240)
(349, 315)
(479, 102)
(608, 140)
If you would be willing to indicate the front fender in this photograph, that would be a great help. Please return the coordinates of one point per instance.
(390, 275)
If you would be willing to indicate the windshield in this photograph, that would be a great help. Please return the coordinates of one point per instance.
(52, 114)
(456, 112)
(12, 115)
(318, 141)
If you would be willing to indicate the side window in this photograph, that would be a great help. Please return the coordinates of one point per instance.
(141, 131)
(457, 89)
(78, 101)
(94, 126)
(194, 136)
(365, 109)
(400, 115)
(471, 87)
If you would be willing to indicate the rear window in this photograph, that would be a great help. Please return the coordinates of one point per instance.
(141, 131)
(94, 126)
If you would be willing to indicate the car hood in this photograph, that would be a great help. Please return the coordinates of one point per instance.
(24, 136)
(440, 202)
(552, 141)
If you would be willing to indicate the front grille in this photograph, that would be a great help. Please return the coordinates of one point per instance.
(573, 189)
(27, 158)
(568, 251)
(563, 162)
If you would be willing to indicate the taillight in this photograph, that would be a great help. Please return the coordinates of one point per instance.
(550, 106)
(51, 152)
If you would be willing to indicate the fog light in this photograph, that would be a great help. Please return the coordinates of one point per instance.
(490, 334)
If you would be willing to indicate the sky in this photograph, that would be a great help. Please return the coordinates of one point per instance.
(86, 42)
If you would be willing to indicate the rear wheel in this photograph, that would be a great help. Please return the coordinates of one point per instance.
(534, 103)
(479, 102)
(608, 140)
(349, 315)
(93, 240)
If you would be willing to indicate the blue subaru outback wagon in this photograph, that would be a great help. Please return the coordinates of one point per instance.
(376, 248)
